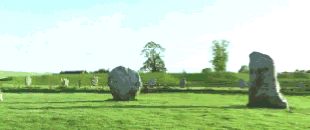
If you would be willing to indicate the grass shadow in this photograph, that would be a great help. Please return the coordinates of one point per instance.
(113, 100)
(156, 90)
(131, 107)
(74, 101)
(46, 90)
(235, 107)
(80, 101)
(206, 90)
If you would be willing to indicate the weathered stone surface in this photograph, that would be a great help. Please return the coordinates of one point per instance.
(265, 88)
(124, 83)
(94, 81)
(28, 81)
(182, 83)
(64, 82)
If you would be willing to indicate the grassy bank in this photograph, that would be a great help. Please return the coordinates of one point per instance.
(163, 79)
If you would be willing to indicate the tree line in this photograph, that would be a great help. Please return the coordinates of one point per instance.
(154, 62)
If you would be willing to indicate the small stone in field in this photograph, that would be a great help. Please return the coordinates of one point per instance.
(242, 83)
(94, 81)
(182, 83)
(152, 82)
(28, 81)
(1, 96)
(301, 85)
(64, 82)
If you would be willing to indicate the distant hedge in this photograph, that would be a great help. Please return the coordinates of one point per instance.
(163, 79)
(211, 79)
(294, 75)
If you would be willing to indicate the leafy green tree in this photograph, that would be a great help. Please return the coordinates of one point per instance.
(206, 70)
(244, 69)
(220, 55)
(102, 71)
(154, 63)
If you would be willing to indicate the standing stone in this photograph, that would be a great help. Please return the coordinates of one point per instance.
(182, 83)
(64, 82)
(300, 85)
(28, 81)
(152, 82)
(124, 83)
(94, 81)
(79, 83)
(265, 88)
(1, 98)
(242, 83)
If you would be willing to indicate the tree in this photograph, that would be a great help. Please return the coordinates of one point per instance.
(102, 71)
(220, 55)
(206, 70)
(154, 63)
(244, 69)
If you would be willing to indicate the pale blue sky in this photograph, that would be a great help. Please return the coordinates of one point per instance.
(55, 35)
(41, 14)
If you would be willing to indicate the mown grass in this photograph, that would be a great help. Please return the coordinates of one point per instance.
(181, 110)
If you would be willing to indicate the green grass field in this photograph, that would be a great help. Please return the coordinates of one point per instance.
(180, 110)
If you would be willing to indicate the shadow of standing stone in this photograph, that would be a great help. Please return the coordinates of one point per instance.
(265, 88)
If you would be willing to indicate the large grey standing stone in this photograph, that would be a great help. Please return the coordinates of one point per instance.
(124, 83)
(264, 86)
